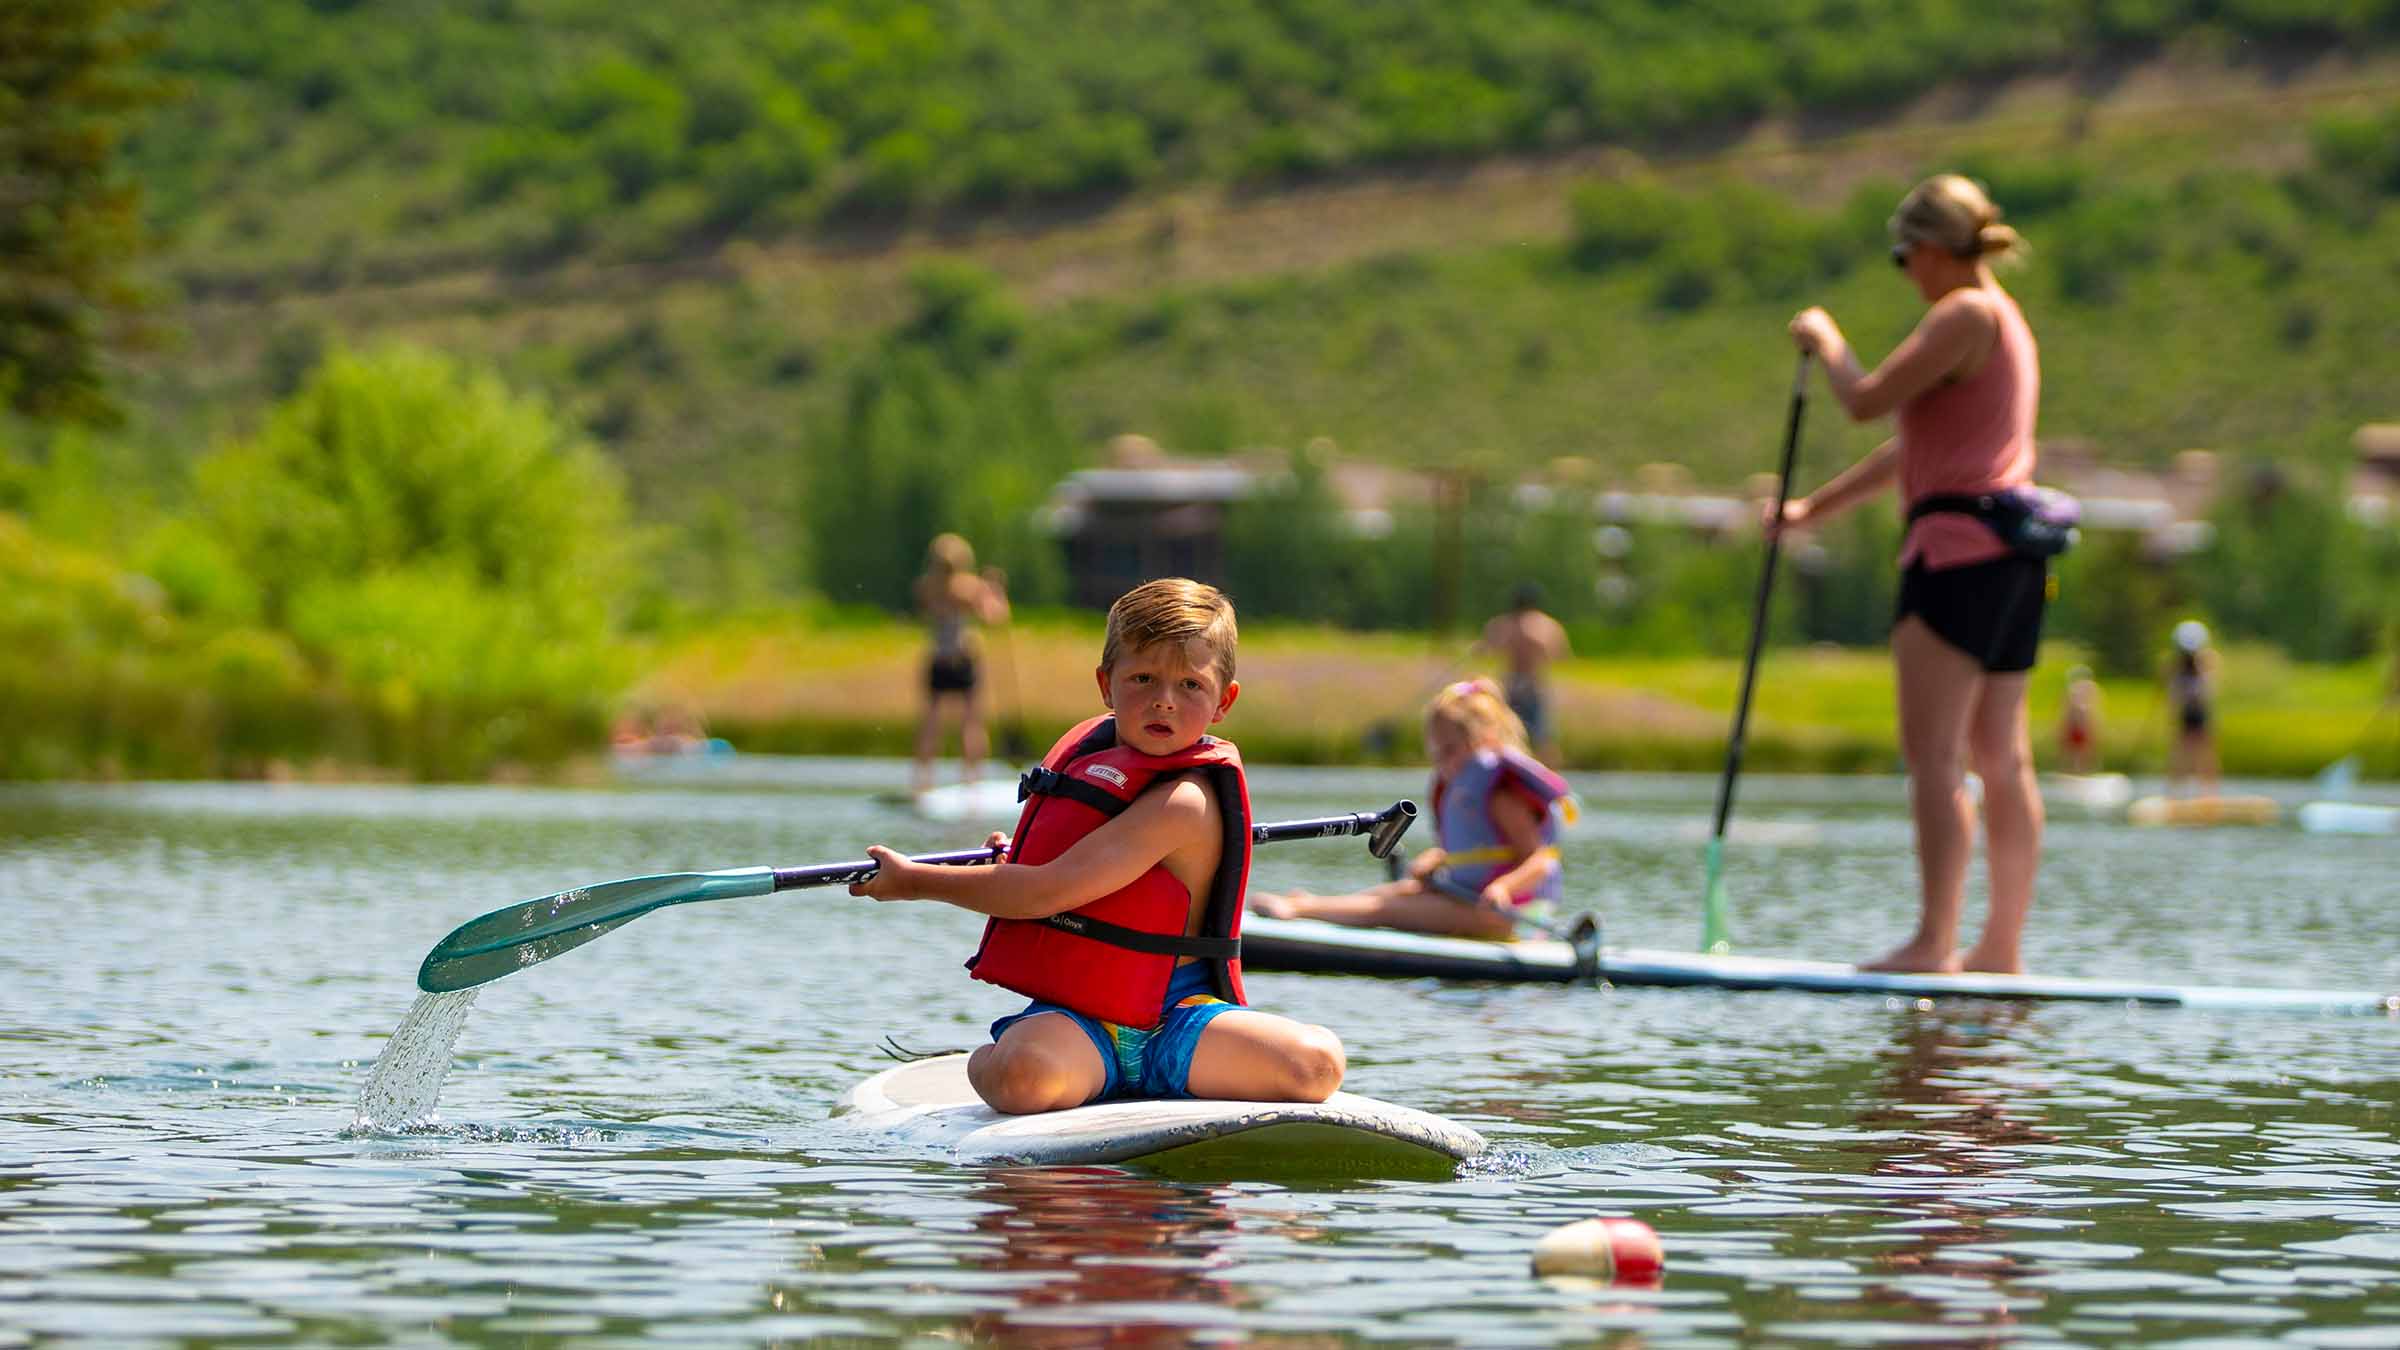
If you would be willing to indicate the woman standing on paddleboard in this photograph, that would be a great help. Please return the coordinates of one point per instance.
(952, 597)
(1963, 388)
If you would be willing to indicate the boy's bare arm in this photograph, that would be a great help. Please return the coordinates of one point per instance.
(1159, 824)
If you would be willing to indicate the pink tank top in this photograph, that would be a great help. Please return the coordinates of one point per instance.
(1971, 437)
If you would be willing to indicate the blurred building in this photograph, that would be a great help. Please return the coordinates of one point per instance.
(1145, 513)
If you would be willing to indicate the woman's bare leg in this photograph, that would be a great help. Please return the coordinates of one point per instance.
(2002, 747)
(1937, 693)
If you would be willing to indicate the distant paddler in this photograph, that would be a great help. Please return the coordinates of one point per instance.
(2191, 680)
(952, 597)
(1963, 388)
(1528, 641)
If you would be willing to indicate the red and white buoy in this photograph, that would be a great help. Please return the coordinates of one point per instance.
(1619, 1251)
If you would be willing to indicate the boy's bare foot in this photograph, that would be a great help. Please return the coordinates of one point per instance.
(1912, 958)
(1991, 963)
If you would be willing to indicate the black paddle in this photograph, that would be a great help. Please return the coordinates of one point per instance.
(513, 937)
(1714, 935)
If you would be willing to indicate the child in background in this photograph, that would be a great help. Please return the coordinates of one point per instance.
(2079, 722)
(1497, 813)
(2191, 680)
(1118, 910)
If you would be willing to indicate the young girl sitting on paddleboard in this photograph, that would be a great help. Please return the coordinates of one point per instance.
(1497, 812)
(1118, 909)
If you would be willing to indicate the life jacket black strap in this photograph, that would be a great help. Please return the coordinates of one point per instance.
(1134, 939)
(1049, 782)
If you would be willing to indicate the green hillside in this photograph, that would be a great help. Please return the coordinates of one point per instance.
(328, 139)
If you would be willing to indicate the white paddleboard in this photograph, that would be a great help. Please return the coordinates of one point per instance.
(1314, 945)
(985, 799)
(2349, 818)
(927, 1107)
(2091, 791)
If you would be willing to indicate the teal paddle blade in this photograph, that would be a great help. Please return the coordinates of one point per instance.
(511, 938)
(1716, 936)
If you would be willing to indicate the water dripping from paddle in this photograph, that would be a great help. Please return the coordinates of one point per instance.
(406, 1082)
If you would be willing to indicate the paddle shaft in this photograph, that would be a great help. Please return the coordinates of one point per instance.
(1758, 607)
(1394, 818)
(509, 939)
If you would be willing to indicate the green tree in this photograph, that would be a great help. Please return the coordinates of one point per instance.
(403, 459)
(70, 222)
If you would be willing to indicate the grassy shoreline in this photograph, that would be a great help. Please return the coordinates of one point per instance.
(1319, 696)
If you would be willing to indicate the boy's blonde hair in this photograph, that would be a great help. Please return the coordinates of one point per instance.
(1171, 609)
(1953, 212)
(1477, 711)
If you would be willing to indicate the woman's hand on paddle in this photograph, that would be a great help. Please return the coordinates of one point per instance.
(1796, 512)
(996, 841)
(1426, 864)
(1497, 898)
(1816, 332)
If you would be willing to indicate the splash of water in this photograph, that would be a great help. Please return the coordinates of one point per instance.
(405, 1084)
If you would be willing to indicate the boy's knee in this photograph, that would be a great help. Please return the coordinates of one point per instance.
(1021, 1080)
(1314, 1064)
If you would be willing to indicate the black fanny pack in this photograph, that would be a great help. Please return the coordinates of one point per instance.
(2035, 522)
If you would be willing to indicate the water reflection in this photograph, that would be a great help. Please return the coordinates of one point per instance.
(1953, 1123)
(1123, 1260)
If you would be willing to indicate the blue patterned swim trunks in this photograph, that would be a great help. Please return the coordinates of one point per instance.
(1146, 1062)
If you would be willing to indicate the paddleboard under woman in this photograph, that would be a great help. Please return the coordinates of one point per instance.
(1963, 388)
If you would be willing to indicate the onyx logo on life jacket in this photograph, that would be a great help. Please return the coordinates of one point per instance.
(1112, 958)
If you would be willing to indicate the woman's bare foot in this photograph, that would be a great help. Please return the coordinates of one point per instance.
(1991, 963)
(1915, 958)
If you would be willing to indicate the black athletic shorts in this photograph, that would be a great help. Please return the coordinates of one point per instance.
(950, 674)
(1992, 611)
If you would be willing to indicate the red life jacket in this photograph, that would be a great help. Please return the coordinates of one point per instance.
(1112, 958)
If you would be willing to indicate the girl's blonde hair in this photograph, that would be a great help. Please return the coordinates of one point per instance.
(1478, 711)
(1953, 212)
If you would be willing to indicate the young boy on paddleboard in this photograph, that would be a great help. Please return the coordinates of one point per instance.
(1118, 908)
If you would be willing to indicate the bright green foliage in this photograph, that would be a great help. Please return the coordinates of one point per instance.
(597, 121)
(408, 566)
(404, 459)
(70, 83)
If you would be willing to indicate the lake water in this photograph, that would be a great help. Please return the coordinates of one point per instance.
(635, 1145)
